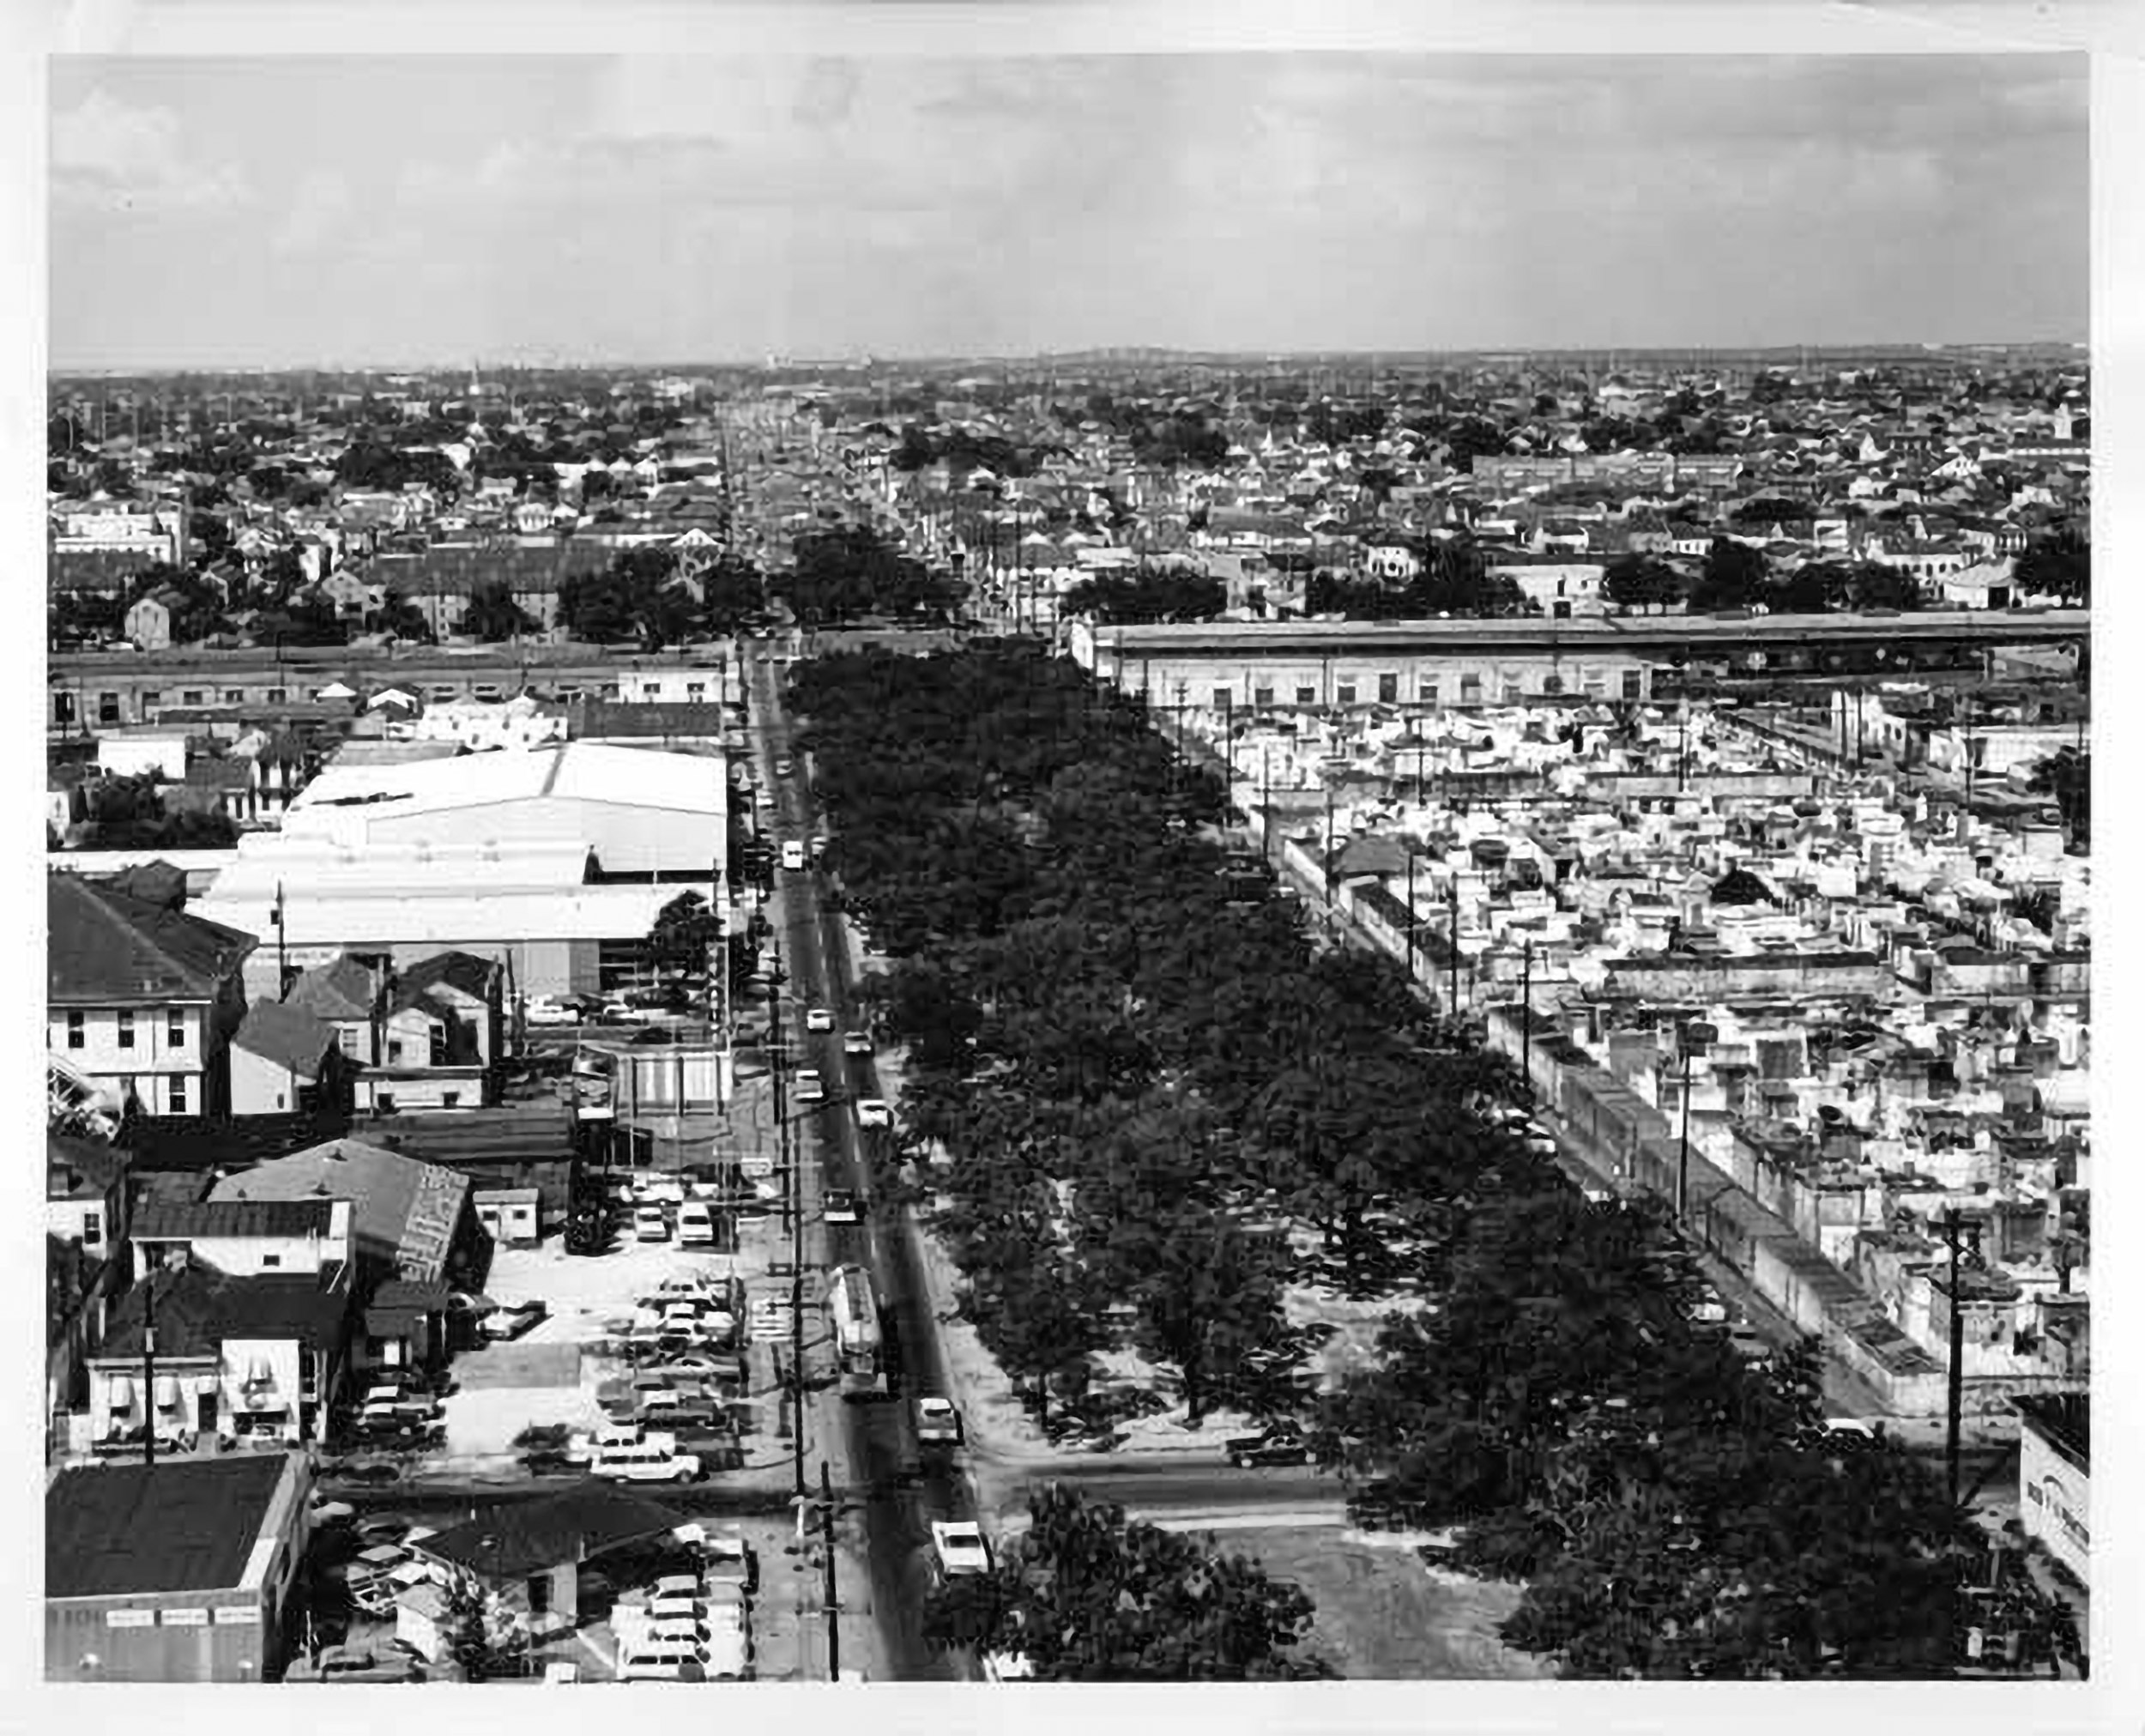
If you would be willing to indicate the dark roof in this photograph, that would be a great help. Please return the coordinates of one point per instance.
(198, 1308)
(96, 569)
(152, 882)
(76, 1168)
(192, 1144)
(219, 774)
(405, 1212)
(464, 971)
(525, 1537)
(341, 988)
(2065, 1418)
(289, 1036)
(105, 948)
(184, 1221)
(178, 1526)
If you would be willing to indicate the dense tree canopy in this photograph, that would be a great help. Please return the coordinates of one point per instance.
(1085, 1595)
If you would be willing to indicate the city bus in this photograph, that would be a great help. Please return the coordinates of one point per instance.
(854, 1312)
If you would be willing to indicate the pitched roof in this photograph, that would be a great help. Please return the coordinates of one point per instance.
(341, 988)
(184, 1219)
(517, 1539)
(289, 1036)
(198, 1308)
(404, 1210)
(152, 882)
(180, 1526)
(464, 972)
(79, 1169)
(104, 947)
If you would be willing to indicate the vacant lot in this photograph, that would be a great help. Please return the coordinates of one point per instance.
(1383, 1617)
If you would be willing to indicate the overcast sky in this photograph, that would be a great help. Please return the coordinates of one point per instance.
(324, 211)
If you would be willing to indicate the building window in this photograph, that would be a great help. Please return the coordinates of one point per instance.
(1262, 696)
(1388, 690)
(1512, 694)
(1633, 681)
(1306, 696)
(107, 708)
(1426, 692)
(443, 696)
(126, 1030)
(175, 1029)
(394, 1051)
(451, 1099)
(275, 696)
(234, 696)
(347, 1040)
(150, 700)
(270, 1260)
(190, 697)
(1224, 699)
(1470, 690)
(178, 1094)
(75, 1037)
(1345, 695)
(696, 690)
(93, 1229)
(385, 1101)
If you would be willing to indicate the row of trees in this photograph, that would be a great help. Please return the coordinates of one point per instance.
(839, 574)
(1142, 1072)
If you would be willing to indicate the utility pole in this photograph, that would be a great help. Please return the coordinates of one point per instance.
(1527, 1011)
(1691, 1035)
(1452, 939)
(830, 1605)
(148, 1369)
(1955, 1373)
(1411, 918)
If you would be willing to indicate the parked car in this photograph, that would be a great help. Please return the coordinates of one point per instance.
(345, 1664)
(810, 1088)
(655, 1460)
(696, 1224)
(783, 768)
(839, 1205)
(855, 1042)
(937, 1423)
(513, 1321)
(818, 1019)
(541, 1009)
(873, 1112)
(961, 1547)
(649, 1224)
(1283, 1443)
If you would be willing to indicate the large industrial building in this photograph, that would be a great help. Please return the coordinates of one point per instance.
(553, 861)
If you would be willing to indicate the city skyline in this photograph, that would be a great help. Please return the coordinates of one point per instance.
(631, 210)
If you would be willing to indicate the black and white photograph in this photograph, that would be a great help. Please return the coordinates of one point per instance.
(942, 858)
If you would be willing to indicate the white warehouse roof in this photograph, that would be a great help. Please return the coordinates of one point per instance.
(580, 770)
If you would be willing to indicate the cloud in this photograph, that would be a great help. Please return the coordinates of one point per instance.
(109, 156)
(319, 210)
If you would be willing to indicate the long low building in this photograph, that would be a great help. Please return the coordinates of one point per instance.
(1284, 665)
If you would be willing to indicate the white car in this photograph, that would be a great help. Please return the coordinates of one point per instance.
(810, 1088)
(855, 1042)
(937, 1423)
(961, 1546)
(818, 1019)
(655, 1460)
(651, 1225)
(541, 1009)
(873, 1112)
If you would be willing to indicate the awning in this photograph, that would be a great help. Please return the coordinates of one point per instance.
(167, 1392)
(122, 1392)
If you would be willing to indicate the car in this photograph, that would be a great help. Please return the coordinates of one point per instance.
(762, 799)
(855, 1042)
(810, 1088)
(656, 1460)
(961, 1548)
(839, 1205)
(783, 768)
(514, 1320)
(873, 1112)
(361, 1663)
(541, 1009)
(323, 1511)
(818, 1021)
(1281, 1445)
(937, 1423)
(649, 1224)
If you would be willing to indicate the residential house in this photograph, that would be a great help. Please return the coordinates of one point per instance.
(442, 1035)
(287, 1061)
(221, 787)
(414, 1233)
(348, 994)
(86, 1202)
(259, 1358)
(140, 998)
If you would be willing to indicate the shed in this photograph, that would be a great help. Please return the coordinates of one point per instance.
(513, 1215)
